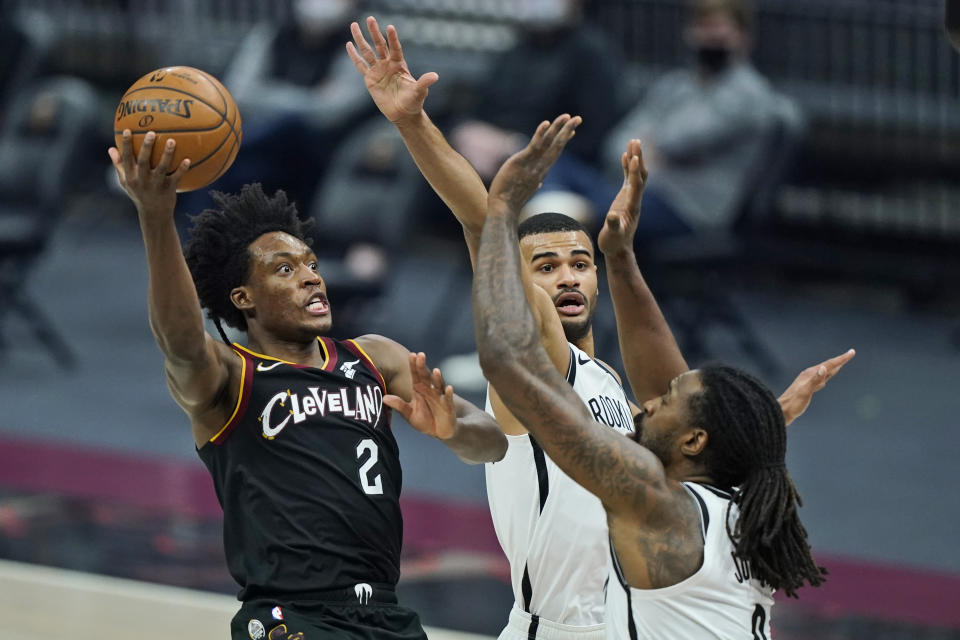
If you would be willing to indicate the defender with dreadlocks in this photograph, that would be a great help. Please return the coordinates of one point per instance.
(552, 531)
(292, 426)
(702, 513)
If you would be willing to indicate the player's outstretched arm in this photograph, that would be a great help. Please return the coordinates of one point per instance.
(650, 353)
(400, 97)
(438, 412)
(549, 327)
(195, 372)
(625, 476)
(795, 400)
(429, 404)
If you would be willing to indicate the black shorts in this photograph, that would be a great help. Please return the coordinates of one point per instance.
(344, 613)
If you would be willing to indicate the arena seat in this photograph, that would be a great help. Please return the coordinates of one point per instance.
(46, 127)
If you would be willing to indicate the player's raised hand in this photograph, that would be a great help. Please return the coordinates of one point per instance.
(523, 172)
(431, 409)
(153, 190)
(795, 400)
(621, 222)
(393, 88)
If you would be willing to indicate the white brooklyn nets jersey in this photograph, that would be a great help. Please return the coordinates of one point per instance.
(720, 601)
(552, 530)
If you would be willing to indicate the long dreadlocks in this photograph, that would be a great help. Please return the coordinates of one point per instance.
(745, 452)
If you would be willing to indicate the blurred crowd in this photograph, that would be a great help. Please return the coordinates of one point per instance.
(704, 125)
(719, 137)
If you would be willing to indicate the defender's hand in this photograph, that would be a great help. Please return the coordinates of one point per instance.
(523, 172)
(621, 223)
(393, 88)
(153, 191)
(795, 400)
(431, 410)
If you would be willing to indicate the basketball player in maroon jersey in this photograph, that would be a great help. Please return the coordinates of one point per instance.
(294, 426)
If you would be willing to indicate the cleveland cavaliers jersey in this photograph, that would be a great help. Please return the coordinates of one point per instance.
(721, 600)
(307, 471)
(552, 530)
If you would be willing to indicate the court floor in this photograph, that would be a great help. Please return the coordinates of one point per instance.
(43, 603)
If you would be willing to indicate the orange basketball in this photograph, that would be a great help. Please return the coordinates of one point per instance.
(193, 108)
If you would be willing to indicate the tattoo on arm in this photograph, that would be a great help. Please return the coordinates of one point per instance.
(623, 474)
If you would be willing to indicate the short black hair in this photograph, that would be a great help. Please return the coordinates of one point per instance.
(549, 223)
(217, 251)
(745, 453)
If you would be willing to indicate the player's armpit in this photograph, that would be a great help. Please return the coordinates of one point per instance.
(392, 361)
(654, 553)
(478, 437)
(509, 423)
(207, 389)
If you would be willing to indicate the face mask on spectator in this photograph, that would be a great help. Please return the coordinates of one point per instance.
(713, 59)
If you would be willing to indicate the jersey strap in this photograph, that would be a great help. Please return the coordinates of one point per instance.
(329, 348)
(246, 382)
(572, 368)
(357, 350)
(720, 493)
(631, 625)
(540, 462)
(543, 482)
(701, 506)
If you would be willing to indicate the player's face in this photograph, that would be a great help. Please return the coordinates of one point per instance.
(562, 264)
(666, 420)
(288, 295)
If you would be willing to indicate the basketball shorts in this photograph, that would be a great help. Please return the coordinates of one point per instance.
(361, 613)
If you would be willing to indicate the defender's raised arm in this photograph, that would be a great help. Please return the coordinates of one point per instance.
(400, 97)
(609, 465)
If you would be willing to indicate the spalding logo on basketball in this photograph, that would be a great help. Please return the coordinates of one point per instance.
(193, 108)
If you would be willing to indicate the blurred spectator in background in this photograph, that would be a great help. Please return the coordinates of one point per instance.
(297, 96)
(703, 128)
(13, 47)
(559, 65)
(22, 51)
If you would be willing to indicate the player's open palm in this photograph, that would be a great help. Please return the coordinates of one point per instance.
(523, 172)
(795, 400)
(153, 190)
(621, 222)
(431, 410)
(393, 88)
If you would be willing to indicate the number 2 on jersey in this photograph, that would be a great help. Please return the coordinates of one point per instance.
(374, 488)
